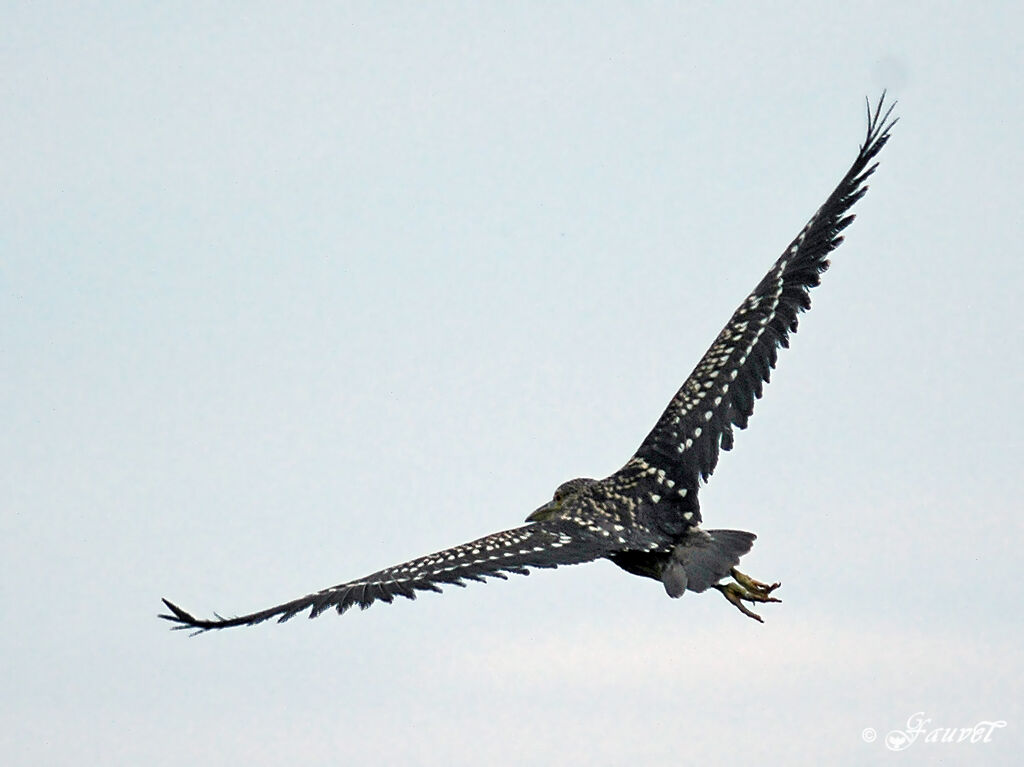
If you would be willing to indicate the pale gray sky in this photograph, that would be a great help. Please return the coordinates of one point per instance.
(294, 292)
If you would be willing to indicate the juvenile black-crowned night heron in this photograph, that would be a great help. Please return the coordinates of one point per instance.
(645, 517)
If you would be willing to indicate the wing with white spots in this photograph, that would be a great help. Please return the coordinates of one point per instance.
(544, 544)
(684, 445)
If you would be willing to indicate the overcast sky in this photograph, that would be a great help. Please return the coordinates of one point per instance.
(290, 293)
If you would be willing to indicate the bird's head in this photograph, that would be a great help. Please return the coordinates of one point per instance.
(563, 493)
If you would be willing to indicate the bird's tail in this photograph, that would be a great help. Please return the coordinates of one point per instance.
(704, 558)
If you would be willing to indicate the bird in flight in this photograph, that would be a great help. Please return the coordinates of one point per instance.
(645, 517)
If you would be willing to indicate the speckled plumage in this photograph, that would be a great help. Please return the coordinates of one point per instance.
(646, 516)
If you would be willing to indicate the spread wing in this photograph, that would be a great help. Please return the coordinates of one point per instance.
(684, 445)
(545, 544)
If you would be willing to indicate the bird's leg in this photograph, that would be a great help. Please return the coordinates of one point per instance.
(746, 589)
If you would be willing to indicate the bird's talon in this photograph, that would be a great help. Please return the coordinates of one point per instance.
(735, 594)
(746, 589)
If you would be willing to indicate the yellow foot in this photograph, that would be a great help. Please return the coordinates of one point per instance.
(746, 589)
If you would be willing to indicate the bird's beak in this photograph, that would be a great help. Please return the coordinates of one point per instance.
(546, 511)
